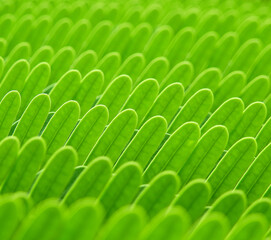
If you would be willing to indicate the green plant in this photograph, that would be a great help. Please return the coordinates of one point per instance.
(135, 119)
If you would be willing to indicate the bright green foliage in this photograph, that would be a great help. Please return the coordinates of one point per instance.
(156, 69)
(33, 118)
(252, 227)
(88, 131)
(231, 204)
(193, 198)
(122, 187)
(23, 171)
(142, 98)
(168, 102)
(230, 86)
(91, 181)
(175, 151)
(65, 89)
(205, 155)
(33, 227)
(255, 181)
(209, 78)
(228, 114)
(90, 88)
(9, 107)
(115, 137)
(11, 208)
(82, 214)
(195, 109)
(145, 142)
(135, 120)
(55, 176)
(34, 84)
(14, 78)
(171, 224)
(213, 227)
(60, 126)
(165, 185)
(232, 166)
(126, 224)
(9, 148)
(116, 94)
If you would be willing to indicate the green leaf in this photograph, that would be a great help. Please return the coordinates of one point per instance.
(125, 224)
(132, 66)
(60, 126)
(256, 180)
(9, 217)
(244, 57)
(88, 131)
(56, 174)
(98, 35)
(142, 98)
(206, 154)
(228, 114)
(209, 78)
(195, 109)
(109, 65)
(168, 102)
(157, 43)
(232, 166)
(9, 148)
(260, 65)
(77, 34)
(33, 118)
(181, 72)
(224, 50)
(58, 32)
(175, 151)
(61, 62)
(121, 188)
(83, 214)
(48, 214)
(116, 94)
(263, 136)
(85, 62)
(91, 181)
(157, 69)
(25, 167)
(202, 50)
(116, 42)
(231, 204)
(165, 185)
(145, 142)
(20, 31)
(139, 37)
(184, 38)
(43, 54)
(115, 137)
(15, 78)
(193, 197)
(214, 227)
(89, 89)
(171, 224)
(9, 107)
(256, 90)
(253, 227)
(41, 27)
(34, 84)
(65, 89)
(260, 206)
(19, 52)
(230, 86)
(250, 123)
